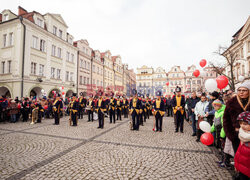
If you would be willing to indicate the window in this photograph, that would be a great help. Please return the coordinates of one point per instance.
(67, 56)
(93, 68)
(39, 22)
(59, 52)
(81, 63)
(198, 81)
(35, 42)
(53, 52)
(84, 80)
(87, 80)
(72, 57)
(71, 76)
(4, 40)
(67, 75)
(41, 70)
(173, 75)
(52, 75)
(60, 33)
(193, 82)
(58, 74)
(5, 17)
(3, 67)
(80, 79)
(83, 49)
(93, 81)
(42, 45)
(88, 65)
(54, 30)
(9, 66)
(84, 64)
(33, 68)
(97, 70)
(11, 39)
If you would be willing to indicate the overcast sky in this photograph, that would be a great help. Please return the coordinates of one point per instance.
(149, 32)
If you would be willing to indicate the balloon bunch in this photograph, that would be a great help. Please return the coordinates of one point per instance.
(219, 83)
(206, 138)
(61, 89)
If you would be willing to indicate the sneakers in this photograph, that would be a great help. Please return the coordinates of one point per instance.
(194, 134)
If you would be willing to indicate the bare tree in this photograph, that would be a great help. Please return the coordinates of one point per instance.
(230, 62)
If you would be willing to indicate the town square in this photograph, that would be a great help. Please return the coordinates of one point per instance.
(122, 89)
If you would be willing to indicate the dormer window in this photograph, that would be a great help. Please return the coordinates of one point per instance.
(40, 22)
(5, 17)
(54, 30)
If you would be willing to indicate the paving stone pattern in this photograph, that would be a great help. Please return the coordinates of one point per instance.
(47, 151)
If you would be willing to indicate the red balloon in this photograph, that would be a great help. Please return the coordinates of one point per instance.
(196, 73)
(203, 63)
(167, 83)
(222, 82)
(63, 93)
(62, 87)
(46, 107)
(207, 139)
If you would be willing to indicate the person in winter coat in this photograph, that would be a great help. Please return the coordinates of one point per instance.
(13, 111)
(199, 112)
(235, 106)
(242, 156)
(191, 105)
(217, 127)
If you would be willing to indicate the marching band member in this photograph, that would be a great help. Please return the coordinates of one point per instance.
(101, 108)
(125, 106)
(158, 111)
(74, 109)
(90, 108)
(178, 103)
(82, 104)
(135, 106)
(119, 108)
(57, 108)
(112, 107)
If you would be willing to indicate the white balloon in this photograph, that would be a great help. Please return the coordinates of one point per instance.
(42, 91)
(211, 85)
(60, 88)
(205, 126)
(241, 78)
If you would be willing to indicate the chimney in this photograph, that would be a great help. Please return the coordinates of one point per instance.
(0, 17)
(21, 11)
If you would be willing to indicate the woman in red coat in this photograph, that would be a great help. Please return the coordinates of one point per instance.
(242, 156)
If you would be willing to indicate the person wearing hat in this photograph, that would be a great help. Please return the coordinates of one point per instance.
(235, 106)
(101, 108)
(90, 108)
(242, 156)
(119, 108)
(125, 106)
(82, 105)
(178, 104)
(159, 112)
(74, 109)
(57, 108)
(134, 109)
(112, 107)
(148, 106)
(142, 110)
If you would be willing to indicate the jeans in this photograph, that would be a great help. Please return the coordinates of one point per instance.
(192, 117)
(13, 118)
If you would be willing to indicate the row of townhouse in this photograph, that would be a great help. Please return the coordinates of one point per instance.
(148, 80)
(38, 56)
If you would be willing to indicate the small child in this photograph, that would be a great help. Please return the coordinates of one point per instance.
(242, 156)
(217, 127)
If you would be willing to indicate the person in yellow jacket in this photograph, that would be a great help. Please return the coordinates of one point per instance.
(178, 104)
(159, 111)
(134, 108)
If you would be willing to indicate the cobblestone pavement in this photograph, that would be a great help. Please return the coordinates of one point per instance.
(46, 151)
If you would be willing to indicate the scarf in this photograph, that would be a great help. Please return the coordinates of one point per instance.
(244, 136)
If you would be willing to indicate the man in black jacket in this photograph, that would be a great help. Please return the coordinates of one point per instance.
(191, 105)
